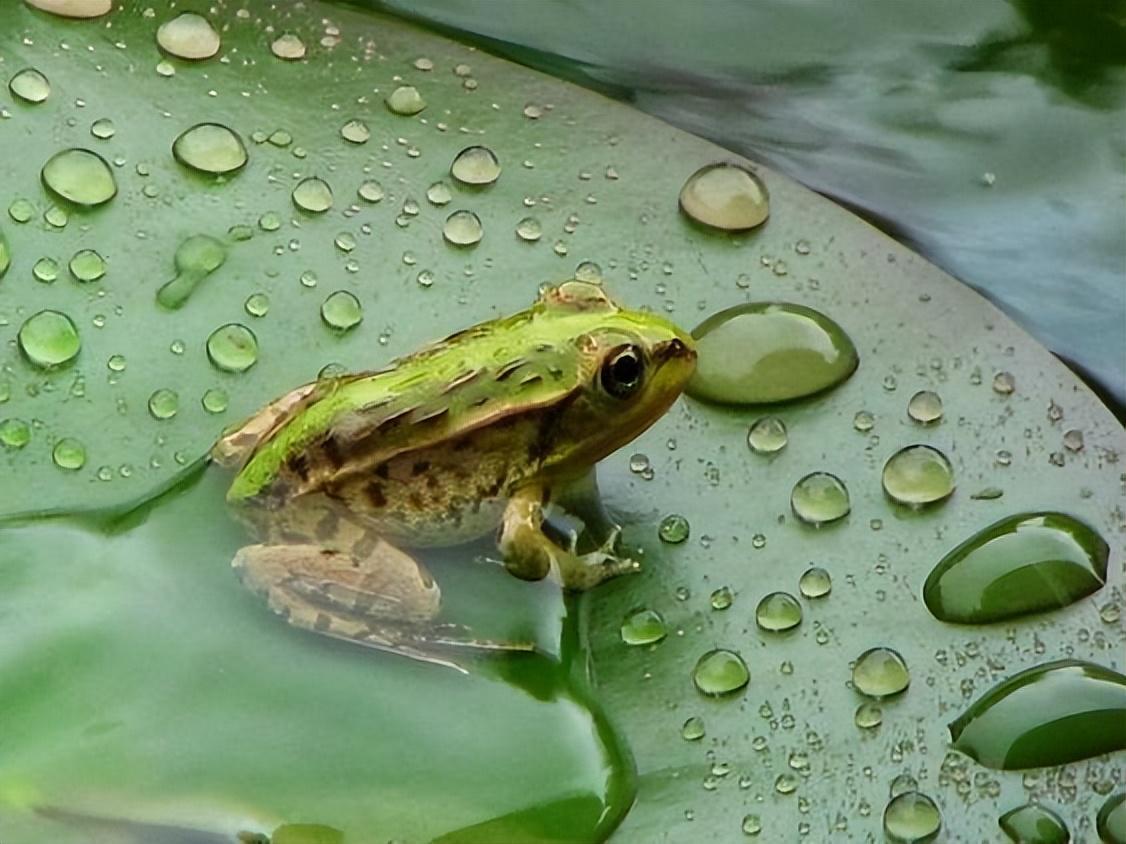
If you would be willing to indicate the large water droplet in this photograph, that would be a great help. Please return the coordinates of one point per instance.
(14, 433)
(49, 338)
(820, 498)
(288, 46)
(81, 176)
(777, 612)
(767, 435)
(69, 453)
(188, 36)
(1025, 563)
(1034, 824)
(880, 673)
(643, 627)
(195, 259)
(463, 228)
(210, 148)
(87, 265)
(918, 475)
(720, 672)
(405, 100)
(341, 310)
(766, 352)
(912, 818)
(475, 166)
(312, 195)
(232, 347)
(725, 196)
(1050, 714)
(73, 8)
(30, 85)
(1111, 820)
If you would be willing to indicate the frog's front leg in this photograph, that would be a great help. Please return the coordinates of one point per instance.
(530, 554)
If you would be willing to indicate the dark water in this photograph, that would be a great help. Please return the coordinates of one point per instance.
(989, 136)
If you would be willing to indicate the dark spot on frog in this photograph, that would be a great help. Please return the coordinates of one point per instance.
(331, 448)
(299, 463)
(420, 467)
(383, 471)
(376, 496)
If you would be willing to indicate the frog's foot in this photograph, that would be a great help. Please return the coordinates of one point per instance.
(531, 555)
(384, 599)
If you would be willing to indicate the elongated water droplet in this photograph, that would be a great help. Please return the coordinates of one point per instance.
(475, 166)
(405, 100)
(14, 434)
(312, 195)
(880, 673)
(73, 8)
(1111, 820)
(30, 85)
(87, 265)
(188, 36)
(80, 176)
(1050, 714)
(341, 310)
(164, 403)
(210, 148)
(49, 338)
(918, 475)
(69, 453)
(1034, 824)
(643, 627)
(725, 196)
(288, 46)
(232, 348)
(820, 498)
(195, 259)
(463, 228)
(766, 352)
(720, 672)
(767, 435)
(1030, 562)
(5, 254)
(912, 818)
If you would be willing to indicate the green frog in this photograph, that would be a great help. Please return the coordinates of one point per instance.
(338, 477)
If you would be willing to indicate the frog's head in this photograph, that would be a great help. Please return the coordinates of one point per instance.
(632, 365)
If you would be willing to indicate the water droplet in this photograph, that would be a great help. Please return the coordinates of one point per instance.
(341, 310)
(45, 270)
(49, 338)
(308, 279)
(405, 100)
(232, 347)
(355, 131)
(210, 148)
(5, 254)
(73, 8)
(1111, 820)
(103, 128)
(820, 498)
(188, 36)
(880, 673)
(815, 582)
(475, 166)
(14, 433)
(643, 627)
(463, 228)
(87, 265)
(116, 363)
(529, 229)
(673, 529)
(21, 210)
(868, 716)
(165, 68)
(693, 729)
(778, 612)
(312, 195)
(989, 493)
(863, 421)
(752, 825)
(257, 304)
(1034, 824)
(1004, 383)
(30, 85)
(785, 783)
(345, 242)
(925, 407)
(439, 194)
(918, 475)
(766, 352)
(164, 403)
(1025, 563)
(371, 191)
(725, 196)
(1073, 440)
(269, 222)
(69, 453)
(1110, 613)
(722, 598)
(912, 818)
(288, 46)
(215, 400)
(196, 258)
(720, 672)
(281, 138)
(80, 176)
(767, 435)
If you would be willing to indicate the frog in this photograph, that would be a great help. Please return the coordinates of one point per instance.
(343, 479)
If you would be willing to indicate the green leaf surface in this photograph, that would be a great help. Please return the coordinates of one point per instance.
(141, 683)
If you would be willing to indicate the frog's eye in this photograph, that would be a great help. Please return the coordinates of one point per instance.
(622, 371)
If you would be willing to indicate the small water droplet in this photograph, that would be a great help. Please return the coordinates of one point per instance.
(863, 421)
(589, 272)
(725, 196)
(785, 783)
(288, 46)
(405, 100)
(312, 195)
(45, 270)
(778, 612)
(815, 582)
(925, 407)
(370, 191)
(475, 165)
(911, 818)
(880, 673)
(281, 139)
(529, 229)
(767, 435)
(21, 210)
(722, 598)
(49, 338)
(257, 304)
(868, 716)
(80, 176)
(87, 265)
(1004, 383)
(1073, 440)
(345, 242)
(232, 348)
(116, 363)
(215, 400)
(165, 68)
(989, 493)
(752, 825)
(30, 85)
(693, 729)
(164, 403)
(355, 131)
(14, 434)
(673, 529)
(103, 128)
(188, 36)
(820, 498)
(269, 222)
(918, 475)
(69, 453)
(439, 194)
(720, 672)
(342, 311)
(463, 228)
(643, 627)
(210, 148)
